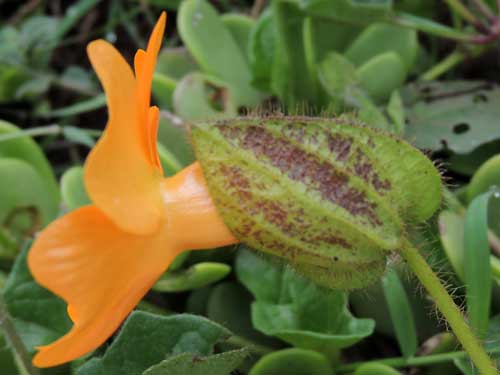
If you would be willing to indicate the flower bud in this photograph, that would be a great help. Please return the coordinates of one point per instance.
(331, 198)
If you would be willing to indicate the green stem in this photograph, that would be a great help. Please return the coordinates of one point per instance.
(23, 359)
(399, 362)
(450, 62)
(53, 129)
(461, 9)
(430, 27)
(449, 309)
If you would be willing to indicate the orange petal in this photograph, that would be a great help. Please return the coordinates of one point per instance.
(120, 176)
(100, 271)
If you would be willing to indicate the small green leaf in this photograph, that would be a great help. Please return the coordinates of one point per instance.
(175, 63)
(23, 198)
(478, 279)
(203, 32)
(240, 26)
(485, 178)
(325, 35)
(400, 313)
(26, 149)
(186, 363)
(146, 339)
(196, 276)
(262, 46)
(292, 80)
(199, 97)
(73, 190)
(396, 112)
(381, 75)
(350, 11)
(451, 228)
(381, 38)
(163, 88)
(292, 362)
(176, 140)
(376, 369)
(229, 304)
(296, 310)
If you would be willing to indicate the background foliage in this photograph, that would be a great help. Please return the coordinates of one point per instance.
(424, 70)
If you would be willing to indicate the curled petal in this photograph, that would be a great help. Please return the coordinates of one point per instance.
(100, 271)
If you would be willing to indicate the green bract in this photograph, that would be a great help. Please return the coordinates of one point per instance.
(330, 197)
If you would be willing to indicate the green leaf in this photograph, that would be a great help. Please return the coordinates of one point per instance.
(486, 177)
(396, 112)
(296, 310)
(381, 75)
(200, 97)
(292, 80)
(477, 263)
(351, 11)
(39, 316)
(203, 32)
(186, 363)
(196, 276)
(163, 88)
(26, 149)
(240, 26)
(325, 35)
(376, 369)
(24, 204)
(381, 38)
(400, 313)
(229, 304)
(282, 178)
(73, 190)
(451, 228)
(176, 140)
(33, 88)
(458, 115)
(146, 340)
(261, 53)
(175, 63)
(292, 362)
(338, 76)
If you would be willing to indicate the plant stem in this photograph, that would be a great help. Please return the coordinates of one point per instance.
(461, 9)
(449, 62)
(23, 359)
(399, 362)
(53, 129)
(455, 58)
(449, 309)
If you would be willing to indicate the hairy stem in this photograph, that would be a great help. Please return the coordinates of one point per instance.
(450, 311)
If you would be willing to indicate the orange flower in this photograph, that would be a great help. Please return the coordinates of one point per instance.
(102, 259)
